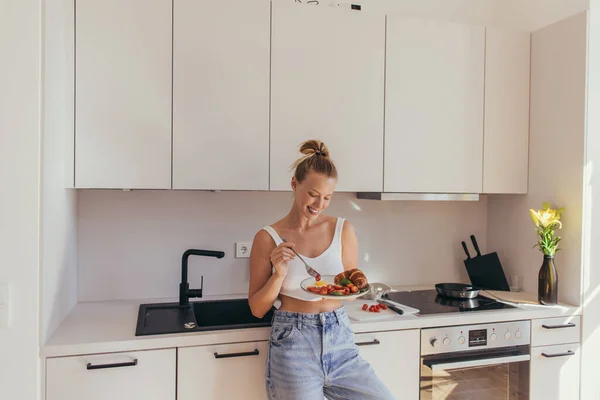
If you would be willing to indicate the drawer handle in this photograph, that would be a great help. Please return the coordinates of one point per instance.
(229, 355)
(569, 325)
(374, 341)
(116, 365)
(568, 353)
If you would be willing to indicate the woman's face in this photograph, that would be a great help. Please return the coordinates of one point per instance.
(314, 193)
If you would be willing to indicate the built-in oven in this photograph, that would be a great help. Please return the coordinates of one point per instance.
(487, 362)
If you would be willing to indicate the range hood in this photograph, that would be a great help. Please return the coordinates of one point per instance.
(384, 196)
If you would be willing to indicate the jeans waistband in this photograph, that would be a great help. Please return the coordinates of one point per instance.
(334, 317)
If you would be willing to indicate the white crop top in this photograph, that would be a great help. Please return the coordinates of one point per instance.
(328, 263)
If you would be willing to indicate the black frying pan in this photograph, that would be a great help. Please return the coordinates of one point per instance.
(457, 290)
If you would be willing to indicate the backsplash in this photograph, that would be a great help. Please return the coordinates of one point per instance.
(130, 242)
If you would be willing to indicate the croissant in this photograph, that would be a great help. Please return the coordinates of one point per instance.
(355, 275)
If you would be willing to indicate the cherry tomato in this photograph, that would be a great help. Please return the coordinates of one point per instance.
(365, 306)
(354, 289)
(384, 307)
(330, 287)
(346, 290)
(318, 278)
(323, 290)
(377, 310)
(338, 287)
(350, 285)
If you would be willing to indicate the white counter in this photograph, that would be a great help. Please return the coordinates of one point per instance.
(101, 327)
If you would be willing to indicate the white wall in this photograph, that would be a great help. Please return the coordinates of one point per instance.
(556, 154)
(59, 204)
(590, 375)
(130, 243)
(20, 85)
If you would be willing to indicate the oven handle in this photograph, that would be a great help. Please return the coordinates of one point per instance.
(481, 362)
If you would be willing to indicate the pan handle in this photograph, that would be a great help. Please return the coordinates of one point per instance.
(475, 245)
(464, 245)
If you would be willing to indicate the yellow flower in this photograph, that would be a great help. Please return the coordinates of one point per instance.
(546, 217)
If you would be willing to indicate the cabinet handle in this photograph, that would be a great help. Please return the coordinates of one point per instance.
(228, 355)
(116, 365)
(374, 341)
(569, 325)
(568, 353)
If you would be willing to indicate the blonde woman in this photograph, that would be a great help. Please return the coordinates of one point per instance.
(311, 348)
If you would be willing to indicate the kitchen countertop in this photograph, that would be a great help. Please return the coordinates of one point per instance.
(101, 327)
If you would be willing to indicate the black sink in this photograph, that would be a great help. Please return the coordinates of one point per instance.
(162, 318)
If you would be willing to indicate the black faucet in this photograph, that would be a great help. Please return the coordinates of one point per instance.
(184, 287)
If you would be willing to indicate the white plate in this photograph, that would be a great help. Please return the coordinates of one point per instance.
(330, 279)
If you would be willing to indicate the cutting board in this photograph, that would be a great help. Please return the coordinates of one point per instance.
(355, 312)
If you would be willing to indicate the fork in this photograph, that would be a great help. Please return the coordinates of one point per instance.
(309, 269)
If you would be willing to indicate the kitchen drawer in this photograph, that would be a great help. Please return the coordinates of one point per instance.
(555, 372)
(390, 352)
(148, 375)
(550, 331)
(224, 371)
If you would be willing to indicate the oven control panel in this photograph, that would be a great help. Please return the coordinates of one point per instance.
(450, 339)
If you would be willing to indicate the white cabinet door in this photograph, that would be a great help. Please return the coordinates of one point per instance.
(327, 83)
(221, 94)
(434, 106)
(227, 371)
(123, 94)
(555, 372)
(506, 117)
(395, 358)
(148, 375)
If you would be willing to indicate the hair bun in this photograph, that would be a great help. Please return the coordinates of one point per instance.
(315, 157)
(314, 148)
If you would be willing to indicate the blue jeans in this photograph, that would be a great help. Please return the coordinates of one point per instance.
(314, 355)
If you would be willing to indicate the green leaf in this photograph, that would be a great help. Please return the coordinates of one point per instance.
(345, 281)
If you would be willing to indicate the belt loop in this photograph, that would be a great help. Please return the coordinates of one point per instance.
(337, 316)
(299, 321)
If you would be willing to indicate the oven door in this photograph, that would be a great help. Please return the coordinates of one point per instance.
(498, 374)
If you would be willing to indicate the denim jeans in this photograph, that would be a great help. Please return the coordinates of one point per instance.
(312, 356)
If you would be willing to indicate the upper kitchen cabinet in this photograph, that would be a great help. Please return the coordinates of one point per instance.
(434, 106)
(506, 122)
(123, 94)
(221, 94)
(327, 83)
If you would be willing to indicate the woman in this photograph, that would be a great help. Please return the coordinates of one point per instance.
(311, 349)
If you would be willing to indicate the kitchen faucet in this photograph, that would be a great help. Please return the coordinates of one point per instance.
(184, 287)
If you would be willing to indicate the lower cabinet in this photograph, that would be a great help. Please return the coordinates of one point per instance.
(148, 375)
(225, 371)
(555, 372)
(394, 356)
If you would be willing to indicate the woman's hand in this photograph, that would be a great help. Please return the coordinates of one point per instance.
(280, 256)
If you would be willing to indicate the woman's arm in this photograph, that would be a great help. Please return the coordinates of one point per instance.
(264, 285)
(349, 247)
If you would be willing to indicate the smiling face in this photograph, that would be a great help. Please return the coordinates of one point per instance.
(313, 194)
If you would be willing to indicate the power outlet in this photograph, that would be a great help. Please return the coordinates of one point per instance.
(242, 249)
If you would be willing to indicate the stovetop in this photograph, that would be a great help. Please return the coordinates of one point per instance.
(430, 302)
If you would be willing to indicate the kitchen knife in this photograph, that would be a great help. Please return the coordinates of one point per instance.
(464, 245)
(391, 306)
(475, 245)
